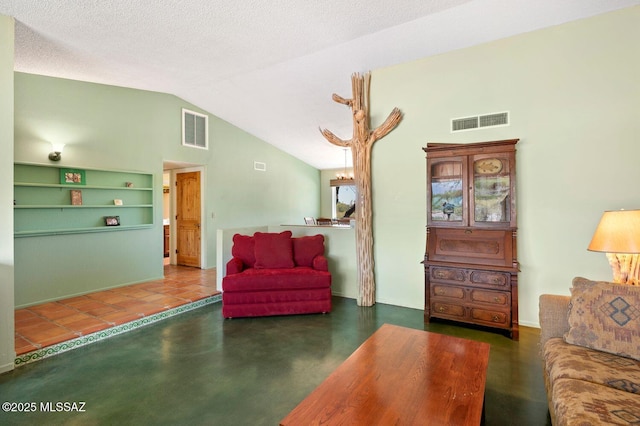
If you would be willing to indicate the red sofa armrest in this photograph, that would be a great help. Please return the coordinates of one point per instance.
(234, 266)
(320, 263)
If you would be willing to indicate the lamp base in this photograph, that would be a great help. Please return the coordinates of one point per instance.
(626, 268)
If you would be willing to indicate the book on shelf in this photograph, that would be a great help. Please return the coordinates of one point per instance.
(76, 197)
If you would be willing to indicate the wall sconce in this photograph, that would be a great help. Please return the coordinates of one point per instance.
(56, 153)
(618, 235)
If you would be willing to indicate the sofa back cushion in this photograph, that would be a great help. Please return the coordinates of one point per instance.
(605, 316)
(243, 248)
(305, 249)
(273, 250)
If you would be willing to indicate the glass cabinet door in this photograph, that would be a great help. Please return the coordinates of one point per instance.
(491, 190)
(447, 192)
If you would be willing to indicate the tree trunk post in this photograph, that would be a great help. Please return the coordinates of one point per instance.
(361, 144)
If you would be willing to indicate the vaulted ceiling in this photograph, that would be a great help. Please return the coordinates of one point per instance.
(266, 66)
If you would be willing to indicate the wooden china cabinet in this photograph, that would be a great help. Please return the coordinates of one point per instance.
(470, 262)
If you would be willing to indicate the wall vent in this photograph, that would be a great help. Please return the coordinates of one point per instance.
(195, 129)
(480, 121)
(259, 166)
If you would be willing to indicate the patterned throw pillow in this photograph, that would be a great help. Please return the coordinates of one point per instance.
(605, 316)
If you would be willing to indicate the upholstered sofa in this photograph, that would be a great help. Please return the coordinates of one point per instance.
(276, 274)
(590, 347)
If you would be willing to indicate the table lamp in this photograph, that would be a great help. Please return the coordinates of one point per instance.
(618, 235)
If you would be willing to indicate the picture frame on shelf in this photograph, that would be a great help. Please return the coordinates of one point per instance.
(76, 197)
(117, 202)
(73, 177)
(112, 220)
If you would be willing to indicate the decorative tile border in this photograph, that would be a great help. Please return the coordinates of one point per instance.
(68, 345)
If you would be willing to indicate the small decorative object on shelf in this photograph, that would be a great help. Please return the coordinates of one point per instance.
(112, 220)
(129, 184)
(117, 202)
(76, 197)
(72, 177)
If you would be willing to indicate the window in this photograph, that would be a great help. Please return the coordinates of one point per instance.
(195, 131)
(345, 201)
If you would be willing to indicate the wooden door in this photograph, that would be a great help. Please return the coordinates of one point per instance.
(188, 219)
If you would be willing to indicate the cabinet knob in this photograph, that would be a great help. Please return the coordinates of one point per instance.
(496, 299)
(441, 292)
(442, 309)
(496, 318)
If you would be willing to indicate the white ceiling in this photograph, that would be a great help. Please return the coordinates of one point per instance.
(266, 66)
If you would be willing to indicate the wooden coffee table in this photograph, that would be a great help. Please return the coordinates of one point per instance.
(401, 376)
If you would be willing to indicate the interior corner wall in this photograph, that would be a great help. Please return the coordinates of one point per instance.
(573, 95)
(7, 337)
(108, 127)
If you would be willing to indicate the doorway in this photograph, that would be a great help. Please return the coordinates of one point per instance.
(186, 227)
(166, 217)
(188, 219)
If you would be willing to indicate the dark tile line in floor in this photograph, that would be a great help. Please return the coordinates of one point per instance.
(50, 323)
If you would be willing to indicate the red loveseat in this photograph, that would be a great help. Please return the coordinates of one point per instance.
(276, 274)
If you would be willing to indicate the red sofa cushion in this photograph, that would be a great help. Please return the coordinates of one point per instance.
(235, 266)
(278, 296)
(320, 263)
(276, 279)
(273, 251)
(243, 249)
(305, 249)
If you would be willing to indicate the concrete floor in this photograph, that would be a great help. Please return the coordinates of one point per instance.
(199, 369)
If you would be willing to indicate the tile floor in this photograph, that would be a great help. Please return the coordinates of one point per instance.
(51, 323)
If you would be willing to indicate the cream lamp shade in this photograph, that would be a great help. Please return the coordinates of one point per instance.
(618, 235)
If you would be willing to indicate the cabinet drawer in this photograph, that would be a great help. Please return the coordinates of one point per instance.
(447, 310)
(447, 291)
(448, 274)
(492, 297)
(491, 317)
(474, 277)
(498, 279)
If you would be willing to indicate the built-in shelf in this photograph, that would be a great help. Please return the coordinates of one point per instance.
(59, 206)
(43, 203)
(57, 185)
(43, 232)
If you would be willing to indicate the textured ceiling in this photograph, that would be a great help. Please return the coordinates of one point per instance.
(268, 67)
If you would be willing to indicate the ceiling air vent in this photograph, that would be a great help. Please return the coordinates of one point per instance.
(480, 121)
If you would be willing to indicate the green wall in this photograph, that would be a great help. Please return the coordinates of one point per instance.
(109, 127)
(573, 94)
(7, 351)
